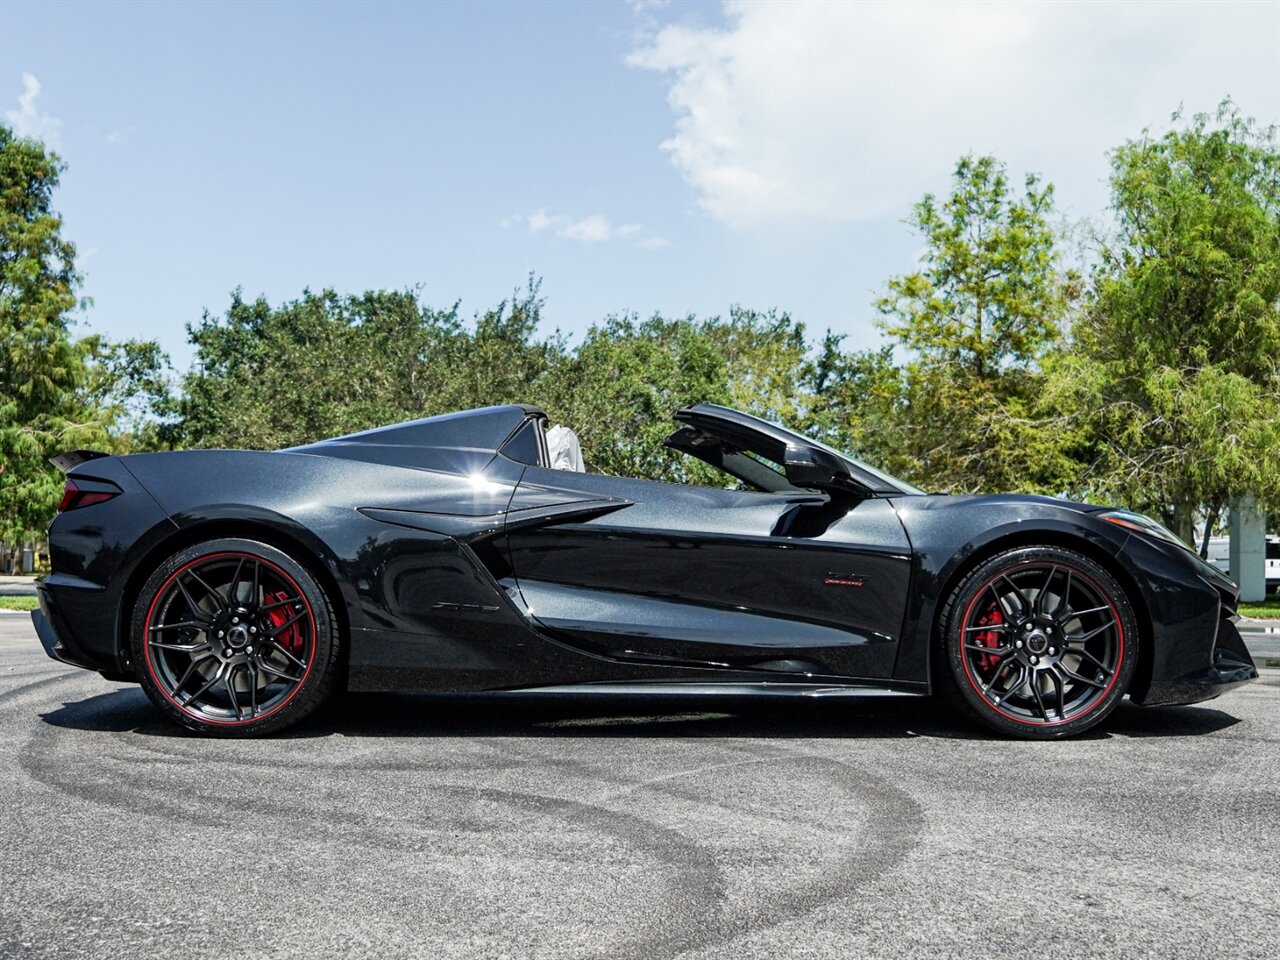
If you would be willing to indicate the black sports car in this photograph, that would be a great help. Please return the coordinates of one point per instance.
(450, 554)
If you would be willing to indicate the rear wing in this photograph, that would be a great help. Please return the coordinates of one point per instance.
(65, 461)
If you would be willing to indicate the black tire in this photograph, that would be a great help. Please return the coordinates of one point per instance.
(1038, 642)
(234, 638)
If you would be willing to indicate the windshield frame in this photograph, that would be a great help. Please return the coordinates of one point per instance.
(733, 423)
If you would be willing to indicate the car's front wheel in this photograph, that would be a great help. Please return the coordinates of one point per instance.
(1039, 642)
(234, 637)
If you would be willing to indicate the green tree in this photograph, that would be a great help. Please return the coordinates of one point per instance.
(766, 363)
(618, 389)
(269, 377)
(1177, 358)
(975, 322)
(127, 387)
(855, 401)
(41, 367)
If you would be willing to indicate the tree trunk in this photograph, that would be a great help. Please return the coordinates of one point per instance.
(1184, 522)
(1210, 522)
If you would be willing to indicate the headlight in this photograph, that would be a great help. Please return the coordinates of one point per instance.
(1144, 525)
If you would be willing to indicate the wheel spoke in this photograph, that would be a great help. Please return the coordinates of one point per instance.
(1024, 605)
(208, 686)
(1065, 603)
(995, 677)
(1044, 592)
(231, 692)
(282, 627)
(1018, 685)
(1000, 604)
(1076, 614)
(288, 656)
(278, 603)
(199, 624)
(1035, 690)
(181, 647)
(993, 627)
(217, 597)
(267, 668)
(1083, 654)
(253, 688)
(1086, 637)
(257, 570)
(1072, 675)
(1060, 687)
(1000, 652)
(186, 595)
(233, 588)
(191, 669)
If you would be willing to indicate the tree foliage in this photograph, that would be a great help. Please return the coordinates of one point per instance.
(56, 392)
(41, 367)
(265, 376)
(1177, 358)
(269, 377)
(975, 323)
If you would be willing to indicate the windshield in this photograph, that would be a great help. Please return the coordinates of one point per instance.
(750, 432)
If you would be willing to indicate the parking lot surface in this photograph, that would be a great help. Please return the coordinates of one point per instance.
(401, 826)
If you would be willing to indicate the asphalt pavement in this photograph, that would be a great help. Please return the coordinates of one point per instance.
(403, 826)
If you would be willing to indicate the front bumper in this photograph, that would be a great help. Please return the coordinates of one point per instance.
(1231, 667)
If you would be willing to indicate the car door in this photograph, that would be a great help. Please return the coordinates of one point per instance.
(783, 582)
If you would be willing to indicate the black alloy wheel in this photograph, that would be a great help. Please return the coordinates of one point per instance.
(1041, 642)
(234, 637)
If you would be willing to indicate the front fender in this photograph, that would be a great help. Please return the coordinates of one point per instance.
(950, 535)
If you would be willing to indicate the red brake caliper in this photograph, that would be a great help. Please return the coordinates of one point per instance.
(291, 637)
(988, 661)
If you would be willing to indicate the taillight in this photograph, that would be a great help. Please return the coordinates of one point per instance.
(73, 497)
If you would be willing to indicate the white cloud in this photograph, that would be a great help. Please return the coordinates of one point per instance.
(27, 120)
(596, 228)
(851, 111)
(592, 229)
(123, 135)
(539, 220)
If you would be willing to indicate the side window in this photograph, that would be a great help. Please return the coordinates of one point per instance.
(746, 470)
(525, 445)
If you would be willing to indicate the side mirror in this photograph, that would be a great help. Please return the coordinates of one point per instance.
(819, 470)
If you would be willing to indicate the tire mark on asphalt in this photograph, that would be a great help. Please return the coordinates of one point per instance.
(18, 691)
(892, 829)
(690, 876)
(695, 914)
(654, 783)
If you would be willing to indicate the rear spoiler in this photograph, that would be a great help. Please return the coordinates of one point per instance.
(65, 461)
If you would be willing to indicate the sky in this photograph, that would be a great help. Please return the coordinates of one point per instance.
(647, 157)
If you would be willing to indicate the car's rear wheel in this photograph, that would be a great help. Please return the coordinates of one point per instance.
(234, 638)
(1039, 642)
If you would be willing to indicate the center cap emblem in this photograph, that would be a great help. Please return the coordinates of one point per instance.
(237, 636)
(1037, 642)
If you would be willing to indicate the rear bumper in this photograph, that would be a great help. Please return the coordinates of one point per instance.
(1232, 666)
(56, 639)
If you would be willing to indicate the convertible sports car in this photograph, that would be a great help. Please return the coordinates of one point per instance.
(451, 554)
